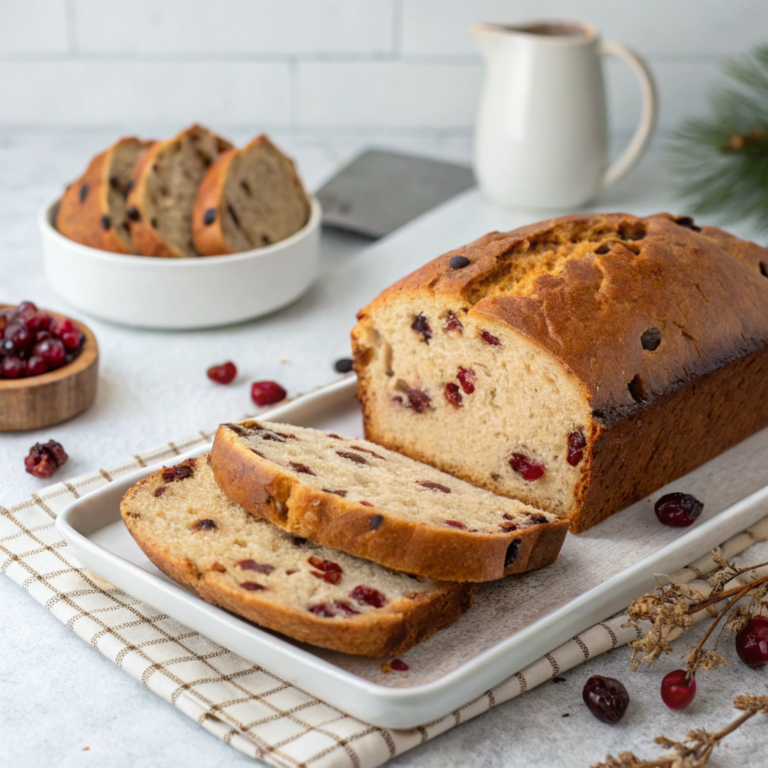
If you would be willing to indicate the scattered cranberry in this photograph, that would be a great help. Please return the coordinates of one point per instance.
(398, 665)
(466, 377)
(368, 596)
(45, 458)
(490, 339)
(267, 393)
(678, 510)
(529, 469)
(606, 698)
(576, 445)
(13, 368)
(222, 374)
(677, 689)
(752, 642)
(452, 394)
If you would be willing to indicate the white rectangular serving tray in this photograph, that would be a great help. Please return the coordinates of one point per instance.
(512, 623)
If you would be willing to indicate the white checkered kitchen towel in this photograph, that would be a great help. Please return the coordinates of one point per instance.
(241, 703)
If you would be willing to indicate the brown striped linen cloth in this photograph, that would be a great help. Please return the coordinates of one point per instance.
(241, 703)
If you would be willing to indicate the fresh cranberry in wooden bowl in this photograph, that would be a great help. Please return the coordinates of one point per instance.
(48, 367)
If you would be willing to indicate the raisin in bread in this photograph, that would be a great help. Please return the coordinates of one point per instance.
(165, 184)
(374, 503)
(248, 198)
(577, 364)
(92, 210)
(194, 534)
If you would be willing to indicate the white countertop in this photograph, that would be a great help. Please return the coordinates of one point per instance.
(58, 695)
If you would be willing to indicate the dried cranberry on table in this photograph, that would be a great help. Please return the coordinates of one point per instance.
(752, 642)
(678, 510)
(678, 689)
(33, 342)
(398, 665)
(606, 698)
(267, 393)
(45, 458)
(224, 373)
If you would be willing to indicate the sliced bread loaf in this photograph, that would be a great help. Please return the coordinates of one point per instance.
(375, 503)
(92, 210)
(164, 189)
(194, 534)
(248, 199)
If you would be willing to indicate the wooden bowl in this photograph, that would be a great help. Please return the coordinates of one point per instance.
(41, 401)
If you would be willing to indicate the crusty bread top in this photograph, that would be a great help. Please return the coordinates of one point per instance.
(651, 301)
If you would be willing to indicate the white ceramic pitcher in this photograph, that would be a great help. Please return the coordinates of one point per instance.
(542, 128)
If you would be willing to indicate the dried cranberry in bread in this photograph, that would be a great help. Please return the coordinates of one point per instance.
(248, 198)
(194, 534)
(92, 210)
(577, 364)
(363, 499)
(165, 183)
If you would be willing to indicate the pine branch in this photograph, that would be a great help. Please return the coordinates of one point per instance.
(722, 160)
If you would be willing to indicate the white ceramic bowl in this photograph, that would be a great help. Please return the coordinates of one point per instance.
(180, 293)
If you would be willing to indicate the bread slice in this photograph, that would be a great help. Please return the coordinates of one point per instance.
(248, 199)
(164, 189)
(371, 502)
(92, 210)
(577, 364)
(194, 534)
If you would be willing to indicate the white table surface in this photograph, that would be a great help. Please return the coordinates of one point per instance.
(58, 695)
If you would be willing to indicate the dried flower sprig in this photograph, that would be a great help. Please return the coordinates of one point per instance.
(698, 746)
(670, 608)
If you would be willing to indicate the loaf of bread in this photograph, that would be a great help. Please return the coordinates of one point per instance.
(374, 503)
(577, 364)
(92, 210)
(194, 534)
(163, 192)
(247, 199)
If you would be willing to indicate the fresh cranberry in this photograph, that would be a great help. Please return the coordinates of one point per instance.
(61, 326)
(368, 596)
(45, 458)
(13, 368)
(25, 311)
(52, 351)
(606, 698)
(490, 339)
(20, 335)
(418, 401)
(752, 642)
(72, 340)
(36, 366)
(39, 322)
(466, 377)
(529, 469)
(398, 665)
(267, 393)
(678, 510)
(222, 374)
(452, 394)
(576, 445)
(677, 689)
(421, 326)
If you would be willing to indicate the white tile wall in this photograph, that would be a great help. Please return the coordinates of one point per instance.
(328, 65)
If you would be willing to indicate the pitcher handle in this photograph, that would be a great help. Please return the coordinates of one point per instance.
(627, 159)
